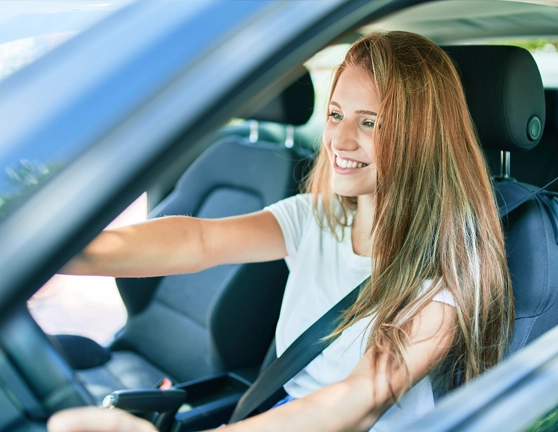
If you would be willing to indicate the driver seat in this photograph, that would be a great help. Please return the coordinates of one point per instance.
(184, 327)
(505, 95)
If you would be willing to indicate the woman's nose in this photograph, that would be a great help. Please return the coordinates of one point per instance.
(344, 138)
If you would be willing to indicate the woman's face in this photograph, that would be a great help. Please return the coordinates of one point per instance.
(348, 134)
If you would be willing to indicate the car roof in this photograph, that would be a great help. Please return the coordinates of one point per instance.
(458, 21)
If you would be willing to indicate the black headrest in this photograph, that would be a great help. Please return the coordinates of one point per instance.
(293, 106)
(505, 94)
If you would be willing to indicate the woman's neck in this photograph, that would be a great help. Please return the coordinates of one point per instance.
(362, 225)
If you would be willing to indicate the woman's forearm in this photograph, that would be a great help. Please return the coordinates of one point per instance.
(345, 406)
(157, 247)
(180, 244)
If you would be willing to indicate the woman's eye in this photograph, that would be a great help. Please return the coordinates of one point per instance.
(335, 116)
(368, 123)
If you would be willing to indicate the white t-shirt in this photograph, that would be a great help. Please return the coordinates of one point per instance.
(322, 272)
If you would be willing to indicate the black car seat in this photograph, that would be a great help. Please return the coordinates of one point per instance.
(184, 327)
(506, 98)
(540, 165)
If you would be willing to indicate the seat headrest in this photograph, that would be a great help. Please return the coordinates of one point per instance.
(505, 94)
(293, 106)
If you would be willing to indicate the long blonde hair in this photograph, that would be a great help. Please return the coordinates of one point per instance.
(435, 214)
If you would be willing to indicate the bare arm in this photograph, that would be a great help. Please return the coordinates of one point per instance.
(180, 244)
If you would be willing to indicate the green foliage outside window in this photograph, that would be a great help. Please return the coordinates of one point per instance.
(533, 44)
(549, 423)
(27, 177)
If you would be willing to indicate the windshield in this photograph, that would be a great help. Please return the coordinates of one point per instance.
(29, 29)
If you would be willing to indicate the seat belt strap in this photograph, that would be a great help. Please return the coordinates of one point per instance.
(506, 208)
(310, 343)
(301, 352)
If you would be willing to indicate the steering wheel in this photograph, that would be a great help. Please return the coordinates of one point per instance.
(40, 365)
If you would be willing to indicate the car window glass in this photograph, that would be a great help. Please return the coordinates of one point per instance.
(545, 53)
(30, 29)
(548, 423)
(88, 306)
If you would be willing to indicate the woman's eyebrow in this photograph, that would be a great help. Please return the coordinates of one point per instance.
(367, 112)
(358, 112)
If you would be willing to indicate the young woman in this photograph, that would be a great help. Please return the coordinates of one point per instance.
(400, 192)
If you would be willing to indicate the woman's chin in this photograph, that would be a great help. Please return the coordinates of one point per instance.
(346, 191)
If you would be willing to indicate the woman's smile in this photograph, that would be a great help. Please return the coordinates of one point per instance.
(347, 165)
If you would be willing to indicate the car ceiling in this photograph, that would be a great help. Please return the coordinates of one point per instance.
(461, 21)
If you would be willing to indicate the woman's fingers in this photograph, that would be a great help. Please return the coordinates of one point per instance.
(92, 419)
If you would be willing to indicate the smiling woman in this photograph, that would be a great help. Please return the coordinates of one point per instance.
(437, 280)
(128, 106)
(416, 200)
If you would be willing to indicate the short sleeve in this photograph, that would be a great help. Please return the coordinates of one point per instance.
(444, 296)
(292, 214)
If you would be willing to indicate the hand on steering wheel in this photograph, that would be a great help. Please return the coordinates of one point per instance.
(93, 419)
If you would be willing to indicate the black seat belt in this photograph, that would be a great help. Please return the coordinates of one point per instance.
(310, 343)
(301, 352)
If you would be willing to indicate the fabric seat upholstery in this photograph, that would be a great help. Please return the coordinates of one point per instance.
(504, 92)
(540, 165)
(190, 326)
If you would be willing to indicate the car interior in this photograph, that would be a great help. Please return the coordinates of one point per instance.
(211, 333)
(131, 362)
(223, 318)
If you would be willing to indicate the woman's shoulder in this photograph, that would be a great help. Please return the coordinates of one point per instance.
(299, 205)
(296, 219)
(443, 295)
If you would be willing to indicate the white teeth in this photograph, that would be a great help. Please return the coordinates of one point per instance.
(344, 163)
